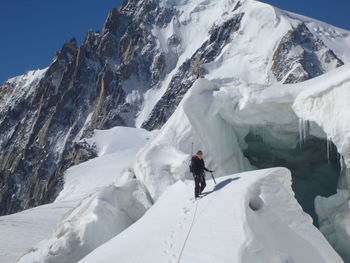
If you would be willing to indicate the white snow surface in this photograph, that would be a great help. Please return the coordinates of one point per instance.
(106, 195)
(216, 118)
(247, 217)
(23, 87)
(20, 231)
(337, 39)
(334, 216)
(116, 149)
(94, 195)
(248, 55)
(95, 220)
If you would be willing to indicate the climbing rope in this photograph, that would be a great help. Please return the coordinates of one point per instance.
(189, 231)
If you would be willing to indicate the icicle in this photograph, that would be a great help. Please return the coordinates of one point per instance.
(329, 145)
(256, 133)
(342, 164)
(304, 128)
(301, 130)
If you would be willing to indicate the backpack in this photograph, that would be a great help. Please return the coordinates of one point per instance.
(190, 166)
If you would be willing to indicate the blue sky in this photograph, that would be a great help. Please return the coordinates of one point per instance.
(334, 12)
(33, 30)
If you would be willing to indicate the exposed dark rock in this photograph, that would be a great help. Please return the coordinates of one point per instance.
(174, 40)
(301, 56)
(100, 84)
(190, 70)
(237, 6)
(85, 88)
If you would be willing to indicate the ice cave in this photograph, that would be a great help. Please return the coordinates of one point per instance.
(315, 165)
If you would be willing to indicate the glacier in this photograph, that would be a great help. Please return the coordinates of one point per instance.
(253, 106)
(90, 190)
(246, 217)
(215, 117)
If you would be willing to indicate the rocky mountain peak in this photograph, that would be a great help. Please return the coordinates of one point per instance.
(301, 56)
(134, 73)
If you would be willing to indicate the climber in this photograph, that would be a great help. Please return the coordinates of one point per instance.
(197, 168)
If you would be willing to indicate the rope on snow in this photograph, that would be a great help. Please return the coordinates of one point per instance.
(189, 231)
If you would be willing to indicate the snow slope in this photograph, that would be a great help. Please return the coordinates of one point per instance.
(217, 118)
(248, 217)
(89, 188)
(21, 87)
(106, 195)
(337, 39)
(214, 116)
(20, 231)
(248, 55)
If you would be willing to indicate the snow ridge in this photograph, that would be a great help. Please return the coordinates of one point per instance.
(139, 184)
(222, 225)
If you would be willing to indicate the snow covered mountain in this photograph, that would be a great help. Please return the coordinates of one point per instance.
(253, 106)
(136, 71)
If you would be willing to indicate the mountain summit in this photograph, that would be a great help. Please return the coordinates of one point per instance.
(251, 85)
(136, 71)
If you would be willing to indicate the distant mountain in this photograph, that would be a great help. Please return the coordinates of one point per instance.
(136, 71)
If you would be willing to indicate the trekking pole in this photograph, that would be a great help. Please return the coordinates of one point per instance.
(191, 158)
(212, 176)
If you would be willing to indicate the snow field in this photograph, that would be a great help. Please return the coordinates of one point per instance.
(216, 118)
(95, 197)
(95, 220)
(334, 216)
(244, 220)
(248, 217)
(252, 47)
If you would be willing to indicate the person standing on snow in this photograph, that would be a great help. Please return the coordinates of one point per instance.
(197, 169)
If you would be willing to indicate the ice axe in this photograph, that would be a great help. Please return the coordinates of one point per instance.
(212, 176)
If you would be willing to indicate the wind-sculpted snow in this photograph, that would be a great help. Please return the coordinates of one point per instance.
(247, 217)
(326, 102)
(142, 70)
(95, 220)
(264, 46)
(215, 118)
(135, 73)
(218, 118)
(334, 215)
(95, 196)
(280, 230)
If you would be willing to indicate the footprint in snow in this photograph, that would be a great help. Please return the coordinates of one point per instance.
(186, 210)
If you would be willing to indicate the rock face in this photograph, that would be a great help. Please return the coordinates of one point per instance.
(84, 88)
(190, 70)
(301, 56)
(103, 83)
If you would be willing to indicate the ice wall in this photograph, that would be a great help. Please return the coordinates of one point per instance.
(218, 118)
(326, 102)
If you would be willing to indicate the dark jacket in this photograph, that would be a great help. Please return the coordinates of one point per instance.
(198, 166)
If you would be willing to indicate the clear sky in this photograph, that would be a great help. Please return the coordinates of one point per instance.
(334, 12)
(33, 30)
